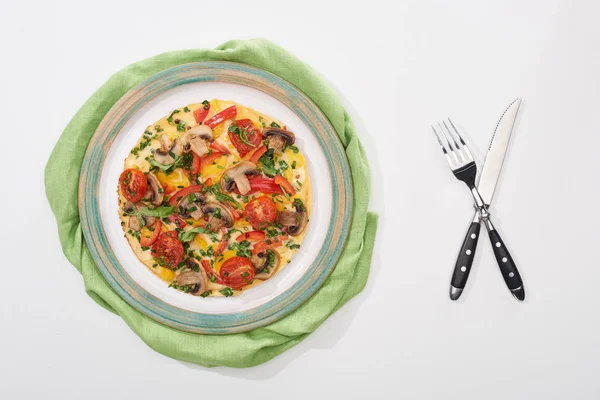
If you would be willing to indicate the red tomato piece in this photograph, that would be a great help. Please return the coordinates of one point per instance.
(260, 212)
(184, 192)
(252, 136)
(201, 113)
(208, 182)
(133, 184)
(237, 272)
(285, 184)
(148, 241)
(252, 236)
(168, 250)
(219, 117)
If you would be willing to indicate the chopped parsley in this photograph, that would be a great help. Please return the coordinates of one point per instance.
(158, 129)
(186, 109)
(227, 292)
(206, 104)
(170, 117)
(206, 294)
(181, 126)
(275, 125)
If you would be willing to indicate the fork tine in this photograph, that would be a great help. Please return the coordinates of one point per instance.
(464, 145)
(443, 146)
(454, 150)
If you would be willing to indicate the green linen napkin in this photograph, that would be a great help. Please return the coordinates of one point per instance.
(236, 350)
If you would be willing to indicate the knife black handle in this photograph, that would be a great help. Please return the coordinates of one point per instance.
(508, 268)
(465, 260)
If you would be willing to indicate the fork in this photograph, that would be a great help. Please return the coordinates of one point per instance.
(464, 168)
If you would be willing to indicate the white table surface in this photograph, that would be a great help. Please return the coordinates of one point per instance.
(401, 67)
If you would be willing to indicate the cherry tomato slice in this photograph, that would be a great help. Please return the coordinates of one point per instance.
(237, 272)
(168, 250)
(251, 134)
(147, 241)
(260, 211)
(252, 236)
(133, 184)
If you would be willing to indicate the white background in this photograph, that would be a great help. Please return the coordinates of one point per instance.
(401, 66)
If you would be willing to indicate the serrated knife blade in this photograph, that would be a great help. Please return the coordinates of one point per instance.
(497, 151)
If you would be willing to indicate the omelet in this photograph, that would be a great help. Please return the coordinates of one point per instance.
(215, 198)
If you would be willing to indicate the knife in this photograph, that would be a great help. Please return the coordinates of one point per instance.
(486, 187)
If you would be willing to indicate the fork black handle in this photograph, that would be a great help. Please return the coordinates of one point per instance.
(508, 268)
(464, 260)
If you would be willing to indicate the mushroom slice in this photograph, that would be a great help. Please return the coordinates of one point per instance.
(137, 222)
(278, 138)
(134, 222)
(157, 195)
(236, 175)
(202, 131)
(198, 280)
(191, 205)
(196, 140)
(165, 154)
(265, 264)
(294, 221)
(220, 216)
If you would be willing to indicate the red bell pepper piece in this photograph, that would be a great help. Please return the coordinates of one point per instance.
(223, 244)
(210, 273)
(182, 193)
(233, 211)
(285, 184)
(256, 154)
(252, 236)
(209, 159)
(201, 113)
(219, 147)
(148, 241)
(177, 221)
(228, 113)
(263, 185)
(195, 167)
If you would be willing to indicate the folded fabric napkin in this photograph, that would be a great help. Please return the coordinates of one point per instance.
(235, 350)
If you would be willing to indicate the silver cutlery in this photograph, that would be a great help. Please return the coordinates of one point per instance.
(463, 166)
